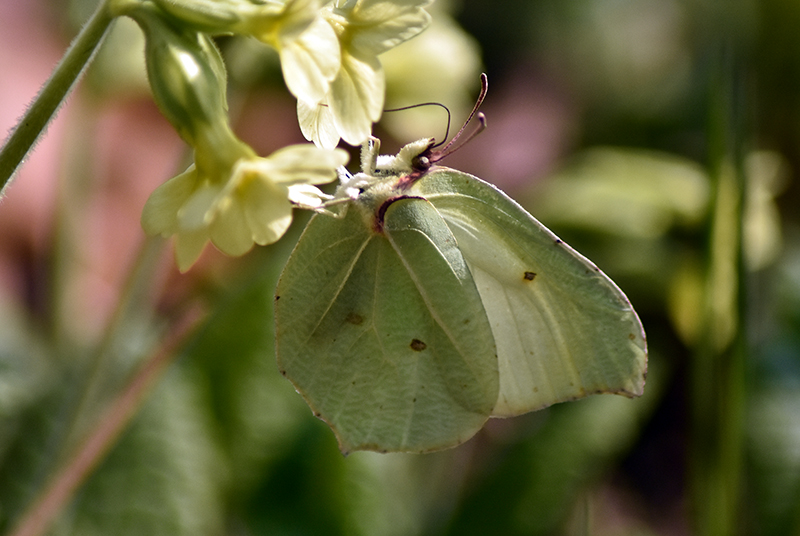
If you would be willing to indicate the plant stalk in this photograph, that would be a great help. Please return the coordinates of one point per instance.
(718, 368)
(45, 106)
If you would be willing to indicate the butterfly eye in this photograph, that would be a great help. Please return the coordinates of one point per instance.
(421, 163)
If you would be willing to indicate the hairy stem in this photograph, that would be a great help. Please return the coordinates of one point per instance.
(55, 90)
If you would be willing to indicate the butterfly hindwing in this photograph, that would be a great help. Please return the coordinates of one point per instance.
(563, 329)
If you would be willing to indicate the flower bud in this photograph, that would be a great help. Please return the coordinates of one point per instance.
(186, 74)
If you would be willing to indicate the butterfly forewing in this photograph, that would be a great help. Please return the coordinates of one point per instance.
(384, 334)
(563, 330)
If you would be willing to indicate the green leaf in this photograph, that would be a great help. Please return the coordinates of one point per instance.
(164, 475)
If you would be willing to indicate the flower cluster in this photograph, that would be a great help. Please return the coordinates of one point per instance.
(329, 57)
(328, 52)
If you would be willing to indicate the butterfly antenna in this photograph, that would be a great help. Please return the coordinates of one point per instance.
(474, 113)
(440, 105)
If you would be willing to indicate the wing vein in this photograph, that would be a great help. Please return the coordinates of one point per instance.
(344, 281)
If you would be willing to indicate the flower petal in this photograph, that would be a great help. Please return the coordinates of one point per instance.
(229, 229)
(310, 62)
(384, 24)
(195, 212)
(267, 211)
(305, 163)
(357, 97)
(160, 213)
(297, 15)
(188, 247)
(317, 124)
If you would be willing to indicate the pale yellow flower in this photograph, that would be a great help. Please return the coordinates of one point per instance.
(251, 205)
(310, 61)
(365, 29)
(308, 47)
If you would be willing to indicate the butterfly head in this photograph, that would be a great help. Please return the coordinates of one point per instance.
(410, 164)
(418, 157)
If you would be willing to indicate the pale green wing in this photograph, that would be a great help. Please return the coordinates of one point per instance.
(384, 334)
(563, 329)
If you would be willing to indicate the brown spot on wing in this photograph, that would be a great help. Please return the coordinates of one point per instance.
(355, 319)
(417, 345)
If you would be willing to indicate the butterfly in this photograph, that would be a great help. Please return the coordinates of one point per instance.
(434, 301)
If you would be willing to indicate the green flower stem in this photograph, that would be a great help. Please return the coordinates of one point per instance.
(718, 368)
(55, 90)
